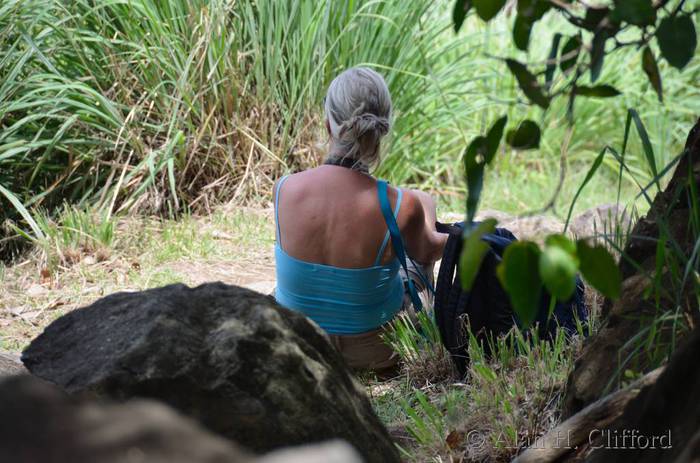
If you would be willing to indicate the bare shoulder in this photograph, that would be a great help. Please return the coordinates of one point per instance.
(411, 215)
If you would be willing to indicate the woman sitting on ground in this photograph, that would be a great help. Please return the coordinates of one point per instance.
(335, 260)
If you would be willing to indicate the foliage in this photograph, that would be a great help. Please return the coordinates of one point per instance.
(165, 107)
(526, 269)
(507, 399)
(475, 251)
(74, 232)
(417, 342)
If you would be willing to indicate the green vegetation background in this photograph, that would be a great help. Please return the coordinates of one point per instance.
(165, 106)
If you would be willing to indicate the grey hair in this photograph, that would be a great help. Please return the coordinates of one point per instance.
(358, 110)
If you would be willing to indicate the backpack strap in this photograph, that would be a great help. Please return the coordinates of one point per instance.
(450, 300)
(396, 241)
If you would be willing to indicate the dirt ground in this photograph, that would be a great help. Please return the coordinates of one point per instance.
(234, 245)
(146, 254)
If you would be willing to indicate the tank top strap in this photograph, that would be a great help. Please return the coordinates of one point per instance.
(277, 209)
(384, 203)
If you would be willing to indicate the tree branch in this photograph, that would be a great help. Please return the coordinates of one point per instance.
(576, 430)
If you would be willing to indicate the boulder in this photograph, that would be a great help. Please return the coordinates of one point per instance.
(666, 412)
(526, 227)
(10, 364)
(41, 423)
(481, 215)
(334, 451)
(605, 219)
(244, 367)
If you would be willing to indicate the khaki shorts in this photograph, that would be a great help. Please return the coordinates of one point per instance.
(368, 350)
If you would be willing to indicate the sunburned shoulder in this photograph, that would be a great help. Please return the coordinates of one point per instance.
(411, 213)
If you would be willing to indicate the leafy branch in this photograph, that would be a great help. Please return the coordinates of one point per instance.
(574, 57)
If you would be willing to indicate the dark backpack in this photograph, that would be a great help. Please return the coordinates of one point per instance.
(487, 306)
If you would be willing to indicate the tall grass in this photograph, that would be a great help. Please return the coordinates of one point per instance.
(162, 106)
(507, 399)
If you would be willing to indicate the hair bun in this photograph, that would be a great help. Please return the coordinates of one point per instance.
(364, 123)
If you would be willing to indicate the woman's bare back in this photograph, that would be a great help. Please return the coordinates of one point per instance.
(330, 215)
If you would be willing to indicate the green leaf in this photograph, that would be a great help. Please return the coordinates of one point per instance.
(493, 139)
(533, 9)
(570, 107)
(646, 144)
(594, 16)
(475, 183)
(600, 91)
(473, 251)
(528, 83)
(488, 9)
(521, 32)
(26, 215)
(651, 69)
(558, 265)
(677, 40)
(562, 242)
(552, 64)
(599, 269)
(475, 152)
(638, 12)
(526, 136)
(589, 175)
(598, 53)
(474, 158)
(460, 12)
(570, 53)
(517, 273)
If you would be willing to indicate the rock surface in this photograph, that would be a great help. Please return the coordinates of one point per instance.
(669, 408)
(606, 219)
(40, 423)
(263, 376)
(329, 452)
(10, 364)
(43, 424)
(531, 227)
(600, 219)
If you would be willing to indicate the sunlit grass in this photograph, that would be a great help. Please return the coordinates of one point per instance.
(233, 246)
(175, 106)
(506, 400)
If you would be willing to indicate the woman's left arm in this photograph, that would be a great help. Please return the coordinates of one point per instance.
(423, 242)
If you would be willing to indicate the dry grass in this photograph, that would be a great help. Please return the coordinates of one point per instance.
(502, 405)
(233, 245)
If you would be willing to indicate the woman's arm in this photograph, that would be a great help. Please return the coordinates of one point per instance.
(423, 242)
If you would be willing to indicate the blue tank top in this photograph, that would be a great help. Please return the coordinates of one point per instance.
(339, 300)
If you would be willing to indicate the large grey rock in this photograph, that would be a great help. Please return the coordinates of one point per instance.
(529, 227)
(41, 423)
(608, 219)
(534, 227)
(327, 452)
(247, 369)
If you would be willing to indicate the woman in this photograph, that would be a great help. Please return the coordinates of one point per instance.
(334, 257)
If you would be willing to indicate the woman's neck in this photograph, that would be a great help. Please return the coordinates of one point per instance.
(349, 163)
